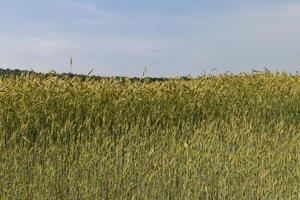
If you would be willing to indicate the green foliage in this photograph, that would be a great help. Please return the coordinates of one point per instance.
(214, 137)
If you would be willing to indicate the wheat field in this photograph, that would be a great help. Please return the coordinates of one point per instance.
(212, 137)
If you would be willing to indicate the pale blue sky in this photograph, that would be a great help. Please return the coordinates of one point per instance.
(171, 38)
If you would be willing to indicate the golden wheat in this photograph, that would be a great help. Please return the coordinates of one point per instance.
(213, 137)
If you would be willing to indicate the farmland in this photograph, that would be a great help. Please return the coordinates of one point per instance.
(211, 137)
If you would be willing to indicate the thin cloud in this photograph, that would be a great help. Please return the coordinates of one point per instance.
(292, 10)
(87, 7)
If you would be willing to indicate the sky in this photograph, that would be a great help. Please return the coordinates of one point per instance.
(170, 38)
